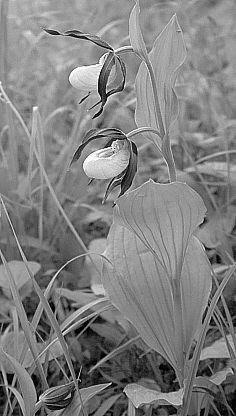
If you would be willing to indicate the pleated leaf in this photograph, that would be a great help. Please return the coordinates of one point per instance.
(134, 285)
(150, 246)
(167, 56)
(163, 216)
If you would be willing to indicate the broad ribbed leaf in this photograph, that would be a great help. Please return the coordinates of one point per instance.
(140, 396)
(138, 287)
(163, 216)
(150, 246)
(25, 381)
(135, 34)
(167, 55)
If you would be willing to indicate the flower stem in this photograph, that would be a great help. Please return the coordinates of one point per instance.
(143, 130)
(123, 49)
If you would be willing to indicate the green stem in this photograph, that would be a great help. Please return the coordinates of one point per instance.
(143, 130)
(124, 49)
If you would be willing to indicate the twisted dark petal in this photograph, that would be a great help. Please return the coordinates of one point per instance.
(112, 185)
(80, 35)
(130, 170)
(103, 80)
(121, 85)
(125, 178)
(94, 134)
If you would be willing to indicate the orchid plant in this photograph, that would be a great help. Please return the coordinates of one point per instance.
(156, 271)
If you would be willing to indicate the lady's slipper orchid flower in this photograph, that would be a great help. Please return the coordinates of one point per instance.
(96, 77)
(109, 71)
(116, 161)
(109, 162)
(85, 78)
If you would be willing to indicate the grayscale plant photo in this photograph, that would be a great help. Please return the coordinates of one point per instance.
(117, 208)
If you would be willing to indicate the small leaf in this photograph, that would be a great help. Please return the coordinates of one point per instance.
(218, 349)
(80, 35)
(167, 56)
(141, 396)
(220, 376)
(135, 34)
(25, 381)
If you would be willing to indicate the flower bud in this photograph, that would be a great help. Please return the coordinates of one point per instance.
(108, 162)
(58, 397)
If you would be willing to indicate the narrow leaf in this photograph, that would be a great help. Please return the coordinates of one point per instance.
(25, 381)
(140, 396)
(135, 34)
(196, 286)
(166, 57)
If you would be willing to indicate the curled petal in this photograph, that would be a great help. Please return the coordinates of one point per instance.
(108, 162)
